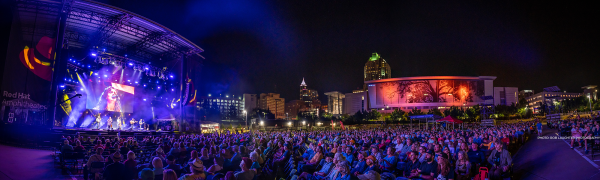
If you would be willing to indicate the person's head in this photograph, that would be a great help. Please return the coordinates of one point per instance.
(254, 156)
(99, 150)
(348, 149)
(169, 174)
(499, 145)
(194, 154)
(474, 146)
(362, 155)
(462, 156)
(391, 151)
(157, 163)
(116, 157)
(146, 174)
(446, 150)
(370, 175)
(422, 149)
(77, 143)
(171, 159)
(343, 167)
(437, 148)
(196, 166)
(131, 155)
(413, 156)
(246, 163)
(204, 151)
(370, 160)
(229, 176)
(329, 157)
(66, 142)
(429, 156)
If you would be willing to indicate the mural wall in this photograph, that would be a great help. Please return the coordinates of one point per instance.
(429, 91)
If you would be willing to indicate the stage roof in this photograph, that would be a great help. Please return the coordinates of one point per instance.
(90, 24)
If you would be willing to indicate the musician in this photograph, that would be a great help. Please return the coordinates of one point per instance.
(132, 122)
(141, 124)
(119, 123)
(109, 121)
(98, 120)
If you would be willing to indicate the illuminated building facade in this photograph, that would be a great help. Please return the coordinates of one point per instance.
(536, 101)
(429, 92)
(228, 106)
(274, 103)
(293, 107)
(591, 91)
(377, 68)
(308, 95)
(335, 102)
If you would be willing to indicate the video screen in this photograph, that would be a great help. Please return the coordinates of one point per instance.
(110, 97)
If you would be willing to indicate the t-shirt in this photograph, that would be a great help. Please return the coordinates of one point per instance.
(539, 125)
(497, 159)
(428, 168)
(245, 175)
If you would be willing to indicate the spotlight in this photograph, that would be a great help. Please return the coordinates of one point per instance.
(131, 64)
(144, 85)
(172, 89)
(171, 76)
(136, 82)
(158, 87)
(62, 86)
(81, 89)
(144, 99)
(105, 75)
(94, 54)
(96, 74)
(128, 80)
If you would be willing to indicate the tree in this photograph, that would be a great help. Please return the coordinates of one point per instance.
(415, 111)
(358, 116)
(435, 111)
(397, 115)
(374, 115)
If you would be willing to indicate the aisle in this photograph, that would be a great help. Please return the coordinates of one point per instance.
(23, 163)
(551, 159)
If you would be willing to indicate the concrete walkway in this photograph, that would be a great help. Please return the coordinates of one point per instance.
(552, 159)
(23, 163)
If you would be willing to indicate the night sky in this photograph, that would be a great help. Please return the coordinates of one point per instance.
(261, 47)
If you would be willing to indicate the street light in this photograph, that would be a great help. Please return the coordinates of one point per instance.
(246, 118)
(590, 100)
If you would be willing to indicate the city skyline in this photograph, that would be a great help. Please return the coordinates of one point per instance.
(256, 47)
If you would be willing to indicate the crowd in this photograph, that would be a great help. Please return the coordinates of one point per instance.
(393, 152)
(581, 130)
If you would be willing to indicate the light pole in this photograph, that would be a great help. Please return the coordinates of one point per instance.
(287, 117)
(590, 100)
(246, 118)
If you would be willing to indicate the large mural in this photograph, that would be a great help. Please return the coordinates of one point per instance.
(428, 91)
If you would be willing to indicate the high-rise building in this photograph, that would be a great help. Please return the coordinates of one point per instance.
(307, 95)
(272, 102)
(377, 68)
(506, 95)
(335, 102)
(250, 102)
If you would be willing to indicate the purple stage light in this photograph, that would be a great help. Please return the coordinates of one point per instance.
(94, 54)
(144, 99)
(171, 76)
(158, 87)
(131, 64)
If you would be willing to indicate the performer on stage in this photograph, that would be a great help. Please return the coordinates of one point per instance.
(119, 123)
(109, 125)
(141, 124)
(98, 120)
(132, 122)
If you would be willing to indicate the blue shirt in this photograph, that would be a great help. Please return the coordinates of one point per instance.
(360, 167)
(539, 125)
(326, 167)
(349, 157)
(308, 154)
(392, 160)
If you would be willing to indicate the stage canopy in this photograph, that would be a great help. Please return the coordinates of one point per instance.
(450, 119)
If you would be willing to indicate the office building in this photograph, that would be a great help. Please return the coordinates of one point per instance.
(229, 107)
(354, 102)
(377, 68)
(590, 91)
(535, 101)
(506, 96)
(308, 95)
(293, 107)
(250, 102)
(526, 93)
(272, 102)
(335, 102)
